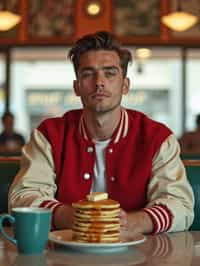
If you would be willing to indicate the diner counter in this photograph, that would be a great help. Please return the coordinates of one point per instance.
(181, 248)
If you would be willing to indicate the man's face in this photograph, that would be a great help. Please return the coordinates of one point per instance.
(100, 81)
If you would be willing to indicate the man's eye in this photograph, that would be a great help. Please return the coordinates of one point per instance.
(110, 73)
(87, 74)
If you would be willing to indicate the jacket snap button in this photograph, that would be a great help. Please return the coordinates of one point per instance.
(89, 149)
(112, 178)
(86, 176)
(110, 150)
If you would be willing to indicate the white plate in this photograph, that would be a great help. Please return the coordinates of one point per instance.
(64, 238)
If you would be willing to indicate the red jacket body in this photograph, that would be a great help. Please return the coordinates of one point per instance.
(128, 157)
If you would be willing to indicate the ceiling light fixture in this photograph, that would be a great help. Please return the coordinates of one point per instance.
(93, 7)
(179, 20)
(142, 55)
(8, 20)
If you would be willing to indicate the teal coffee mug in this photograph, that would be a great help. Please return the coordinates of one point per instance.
(31, 228)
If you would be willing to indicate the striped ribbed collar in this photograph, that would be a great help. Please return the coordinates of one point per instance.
(121, 132)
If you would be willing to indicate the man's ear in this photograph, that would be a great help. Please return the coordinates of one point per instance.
(76, 87)
(126, 86)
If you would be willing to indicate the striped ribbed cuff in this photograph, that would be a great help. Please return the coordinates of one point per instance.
(53, 205)
(161, 217)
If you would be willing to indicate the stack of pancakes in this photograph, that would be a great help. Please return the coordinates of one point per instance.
(96, 221)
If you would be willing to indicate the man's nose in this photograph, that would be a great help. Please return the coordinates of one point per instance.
(99, 80)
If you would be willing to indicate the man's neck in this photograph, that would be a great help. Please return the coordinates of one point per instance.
(102, 126)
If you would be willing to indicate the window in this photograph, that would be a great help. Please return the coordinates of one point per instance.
(193, 87)
(42, 86)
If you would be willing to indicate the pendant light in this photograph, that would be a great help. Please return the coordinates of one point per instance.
(8, 20)
(142, 55)
(179, 20)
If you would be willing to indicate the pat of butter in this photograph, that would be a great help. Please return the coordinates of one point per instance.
(96, 196)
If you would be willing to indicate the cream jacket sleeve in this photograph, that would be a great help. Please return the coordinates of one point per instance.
(169, 185)
(35, 181)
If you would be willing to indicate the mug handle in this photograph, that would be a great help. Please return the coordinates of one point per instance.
(10, 219)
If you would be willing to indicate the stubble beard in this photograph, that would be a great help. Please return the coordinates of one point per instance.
(101, 109)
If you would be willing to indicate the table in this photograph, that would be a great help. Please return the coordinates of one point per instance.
(167, 249)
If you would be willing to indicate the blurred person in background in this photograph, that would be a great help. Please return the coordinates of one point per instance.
(11, 142)
(190, 141)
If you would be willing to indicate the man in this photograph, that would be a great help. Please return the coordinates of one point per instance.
(10, 141)
(190, 141)
(105, 147)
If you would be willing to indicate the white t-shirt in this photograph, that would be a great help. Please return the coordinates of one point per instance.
(99, 183)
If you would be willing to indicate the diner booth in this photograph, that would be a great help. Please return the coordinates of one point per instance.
(36, 81)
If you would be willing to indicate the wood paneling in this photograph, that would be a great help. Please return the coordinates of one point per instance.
(86, 24)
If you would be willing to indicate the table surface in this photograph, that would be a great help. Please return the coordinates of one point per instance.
(171, 249)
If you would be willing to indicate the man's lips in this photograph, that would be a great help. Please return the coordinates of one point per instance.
(100, 95)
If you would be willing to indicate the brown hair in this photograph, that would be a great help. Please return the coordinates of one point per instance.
(101, 40)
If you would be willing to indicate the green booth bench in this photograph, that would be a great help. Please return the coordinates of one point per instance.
(193, 174)
(9, 166)
(190, 156)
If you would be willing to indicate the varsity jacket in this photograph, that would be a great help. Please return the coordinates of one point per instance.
(58, 164)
